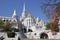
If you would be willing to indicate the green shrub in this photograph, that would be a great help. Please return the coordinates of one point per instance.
(47, 26)
(15, 30)
(10, 34)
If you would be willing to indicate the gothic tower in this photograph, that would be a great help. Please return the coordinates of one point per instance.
(24, 12)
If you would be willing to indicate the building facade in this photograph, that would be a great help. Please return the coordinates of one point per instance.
(35, 28)
(30, 27)
(13, 19)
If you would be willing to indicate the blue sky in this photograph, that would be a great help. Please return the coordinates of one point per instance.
(33, 6)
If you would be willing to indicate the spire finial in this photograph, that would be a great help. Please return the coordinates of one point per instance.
(24, 12)
(14, 12)
(24, 7)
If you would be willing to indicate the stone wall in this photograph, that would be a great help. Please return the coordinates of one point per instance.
(30, 39)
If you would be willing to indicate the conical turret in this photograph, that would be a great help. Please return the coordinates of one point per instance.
(15, 15)
(37, 19)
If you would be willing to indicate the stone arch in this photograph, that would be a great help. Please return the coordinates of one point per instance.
(43, 36)
(29, 30)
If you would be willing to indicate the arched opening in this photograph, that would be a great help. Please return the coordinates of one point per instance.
(44, 36)
(4, 20)
(24, 30)
(29, 30)
(19, 38)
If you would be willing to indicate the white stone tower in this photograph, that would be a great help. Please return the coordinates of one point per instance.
(24, 12)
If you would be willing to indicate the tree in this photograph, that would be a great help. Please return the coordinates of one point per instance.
(47, 26)
(8, 29)
(10, 34)
(1, 24)
(7, 26)
(54, 25)
(52, 11)
(51, 8)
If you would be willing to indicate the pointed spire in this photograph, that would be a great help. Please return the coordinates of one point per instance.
(24, 7)
(14, 13)
(24, 12)
(37, 19)
(29, 15)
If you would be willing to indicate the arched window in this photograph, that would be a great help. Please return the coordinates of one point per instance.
(44, 36)
(29, 30)
(4, 20)
(14, 20)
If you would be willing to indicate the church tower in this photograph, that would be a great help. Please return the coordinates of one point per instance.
(15, 15)
(24, 12)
